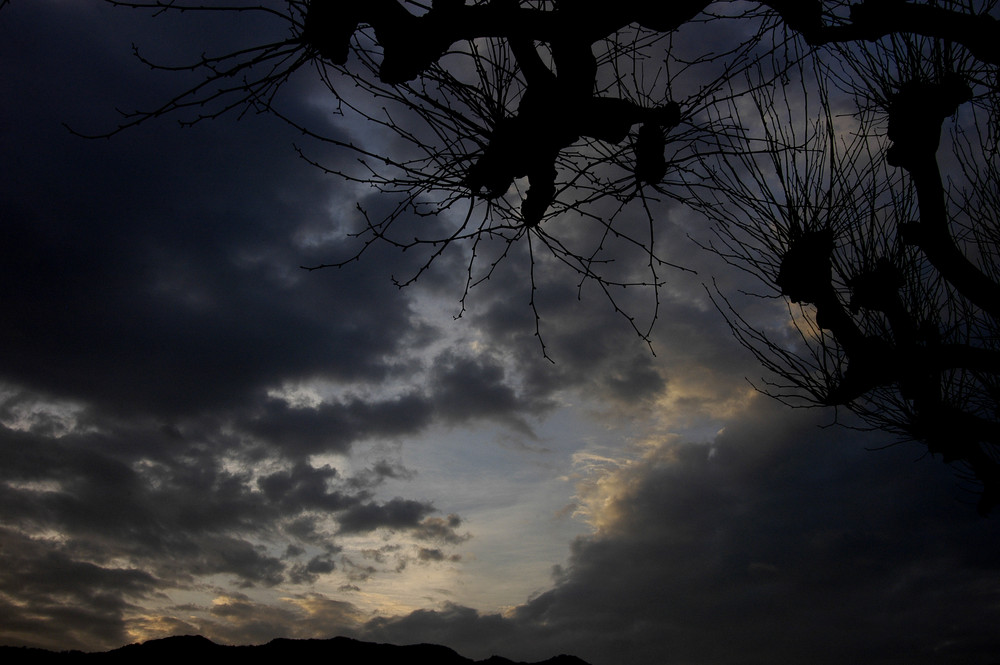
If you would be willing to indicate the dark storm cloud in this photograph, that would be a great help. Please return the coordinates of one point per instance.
(91, 487)
(397, 513)
(76, 506)
(238, 619)
(62, 602)
(304, 487)
(333, 427)
(462, 628)
(152, 301)
(587, 342)
(169, 514)
(458, 389)
(596, 351)
(778, 542)
(400, 514)
(150, 288)
(466, 388)
(154, 275)
(79, 484)
(155, 271)
(379, 472)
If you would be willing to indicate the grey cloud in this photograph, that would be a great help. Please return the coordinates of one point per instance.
(355, 571)
(379, 555)
(185, 295)
(398, 558)
(333, 427)
(240, 620)
(441, 529)
(310, 571)
(223, 554)
(466, 388)
(155, 272)
(304, 487)
(379, 472)
(635, 380)
(469, 632)
(403, 515)
(155, 275)
(429, 554)
(177, 518)
(760, 548)
(86, 491)
(592, 348)
(233, 619)
(778, 541)
(154, 509)
(320, 565)
(52, 572)
(152, 281)
(433, 554)
(307, 529)
(62, 602)
(397, 513)
(386, 469)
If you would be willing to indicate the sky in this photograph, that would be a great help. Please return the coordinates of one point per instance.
(199, 437)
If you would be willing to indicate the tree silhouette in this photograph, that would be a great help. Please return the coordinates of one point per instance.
(812, 133)
(889, 270)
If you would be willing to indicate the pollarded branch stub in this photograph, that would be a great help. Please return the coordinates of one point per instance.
(546, 122)
(650, 163)
(879, 289)
(592, 18)
(959, 436)
(523, 143)
(805, 16)
(916, 113)
(920, 378)
(329, 26)
(541, 193)
(874, 19)
(806, 273)
(871, 15)
(667, 16)
(871, 363)
(410, 44)
(876, 288)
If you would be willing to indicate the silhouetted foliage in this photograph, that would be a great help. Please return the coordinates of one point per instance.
(815, 135)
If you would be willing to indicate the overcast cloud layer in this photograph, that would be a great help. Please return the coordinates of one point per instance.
(199, 437)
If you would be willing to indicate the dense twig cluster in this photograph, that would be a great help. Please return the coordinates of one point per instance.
(889, 269)
(809, 131)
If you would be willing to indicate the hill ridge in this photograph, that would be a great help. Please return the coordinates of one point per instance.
(346, 651)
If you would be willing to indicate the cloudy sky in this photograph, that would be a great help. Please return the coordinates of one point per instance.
(196, 436)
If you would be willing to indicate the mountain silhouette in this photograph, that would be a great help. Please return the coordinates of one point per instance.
(339, 650)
